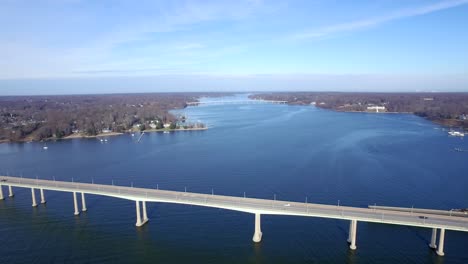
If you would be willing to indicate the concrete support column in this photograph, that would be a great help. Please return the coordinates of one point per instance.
(33, 194)
(83, 203)
(75, 203)
(145, 216)
(43, 201)
(138, 222)
(10, 190)
(433, 238)
(350, 232)
(1, 193)
(353, 234)
(257, 237)
(440, 249)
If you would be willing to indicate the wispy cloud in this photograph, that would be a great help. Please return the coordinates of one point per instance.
(80, 38)
(375, 21)
(113, 36)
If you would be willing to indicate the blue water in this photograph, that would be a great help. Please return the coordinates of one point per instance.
(291, 152)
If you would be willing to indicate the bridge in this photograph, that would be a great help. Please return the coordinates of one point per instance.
(257, 207)
(223, 102)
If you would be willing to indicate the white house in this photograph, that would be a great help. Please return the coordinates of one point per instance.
(376, 108)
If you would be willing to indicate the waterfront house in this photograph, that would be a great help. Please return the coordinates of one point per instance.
(376, 108)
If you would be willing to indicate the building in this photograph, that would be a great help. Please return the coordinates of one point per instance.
(376, 108)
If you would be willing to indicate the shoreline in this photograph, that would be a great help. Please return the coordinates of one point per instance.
(440, 108)
(110, 134)
(367, 112)
(88, 136)
(170, 130)
(448, 123)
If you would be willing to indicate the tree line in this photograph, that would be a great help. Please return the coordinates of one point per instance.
(445, 108)
(39, 117)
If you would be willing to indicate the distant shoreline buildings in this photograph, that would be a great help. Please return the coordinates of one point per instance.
(376, 108)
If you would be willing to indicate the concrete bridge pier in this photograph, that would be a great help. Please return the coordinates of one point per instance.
(440, 249)
(83, 203)
(75, 203)
(33, 194)
(145, 216)
(43, 201)
(1, 193)
(433, 239)
(352, 234)
(139, 222)
(257, 237)
(10, 190)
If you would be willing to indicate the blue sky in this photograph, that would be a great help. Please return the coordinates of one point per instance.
(73, 46)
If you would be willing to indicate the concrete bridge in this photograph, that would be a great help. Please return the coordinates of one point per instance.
(223, 102)
(254, 206)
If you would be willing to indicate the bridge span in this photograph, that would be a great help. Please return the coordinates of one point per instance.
(248, 205)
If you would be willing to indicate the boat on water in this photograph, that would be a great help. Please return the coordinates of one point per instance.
(45, 147)
(456, 133)
(461, 150)
(102, 140)
(166, 132)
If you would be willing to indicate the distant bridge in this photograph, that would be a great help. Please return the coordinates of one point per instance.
(221, 102)
(418, 218)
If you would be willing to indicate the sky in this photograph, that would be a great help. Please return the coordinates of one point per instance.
(78, 46)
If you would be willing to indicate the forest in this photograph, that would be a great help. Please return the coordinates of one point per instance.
(32, 118)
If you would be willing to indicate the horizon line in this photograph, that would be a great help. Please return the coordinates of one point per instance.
(240, 92)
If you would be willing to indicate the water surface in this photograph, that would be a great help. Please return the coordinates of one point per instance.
(291, 152)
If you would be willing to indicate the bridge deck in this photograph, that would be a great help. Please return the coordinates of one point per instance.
(250, 205)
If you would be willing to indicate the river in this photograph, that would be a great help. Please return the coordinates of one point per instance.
(264, 150)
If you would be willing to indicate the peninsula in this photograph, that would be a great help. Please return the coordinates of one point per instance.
(35, 118)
